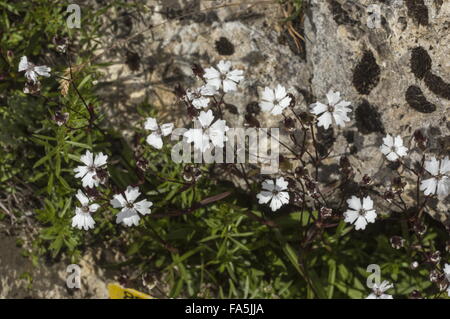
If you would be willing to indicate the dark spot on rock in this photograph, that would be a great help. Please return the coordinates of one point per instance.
(349, 136)
(368, 120)
(340, 16)
(418, 11)
(366, 75)
(444, 143)
(224, 46)
(231, 108)
(420, 62)
(253, 108)
(133, 60)
(417, 100)
(307, 95)
(325, 139)
(254, 58)
(437, 85)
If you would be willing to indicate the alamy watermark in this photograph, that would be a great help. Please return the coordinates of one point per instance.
(73, 280)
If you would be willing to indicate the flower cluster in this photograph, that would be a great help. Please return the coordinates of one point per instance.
(93, 173)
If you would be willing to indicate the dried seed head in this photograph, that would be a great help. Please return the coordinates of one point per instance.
(198, 70)
(415, 294)
(32, 88)
(366, 180)
(191, 173)
(435, 257)
(293, 102)
(61, 43)
(398, 185)
(289, 124)
(60, 118)
(92, 192)
(142, 164)
(434, 276)
(420, 139)
(397, 242)
(301, 172)
(179, 91)
(420, 229)
(388, 195)
(326, 212)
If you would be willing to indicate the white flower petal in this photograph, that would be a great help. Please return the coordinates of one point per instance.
(100, 159)
(143, 207)
(354, 203)
(118, 201)
(84, 200)
(325, 120)
(151, 124)
(128, 217)
(23, 64)
(87, 158)
(360, 223)
(166, 129)
(350, 216)
(155, 140)
(131, 193)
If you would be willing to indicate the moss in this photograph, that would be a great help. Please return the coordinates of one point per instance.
(417, 100)
(366, 75)
(420, 62)
(368, 120)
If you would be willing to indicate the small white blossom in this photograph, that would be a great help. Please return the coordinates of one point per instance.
(275, 193)
(393, 148)
(209, 132)
(378, 291)
(275, 101)
(439, 183)
(33, 71)
(83, 218)
(88, 173)
(129, 209)
(154, 139)
(336, 110)
(200, 97)
(224, 78)
(360, 212)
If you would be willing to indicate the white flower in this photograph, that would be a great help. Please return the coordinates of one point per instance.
(224, 78)
(154, 139)
(275, 101)
(199, 97)
(440, 182)
(88, 173)
(378, 291)
(360, 211)
(336, 110)
(129, 212)
(33, 71)
(209, 132)
(83, 218)
(393, 148)
(274, 193)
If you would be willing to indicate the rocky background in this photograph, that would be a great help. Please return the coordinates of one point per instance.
(390, 58)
